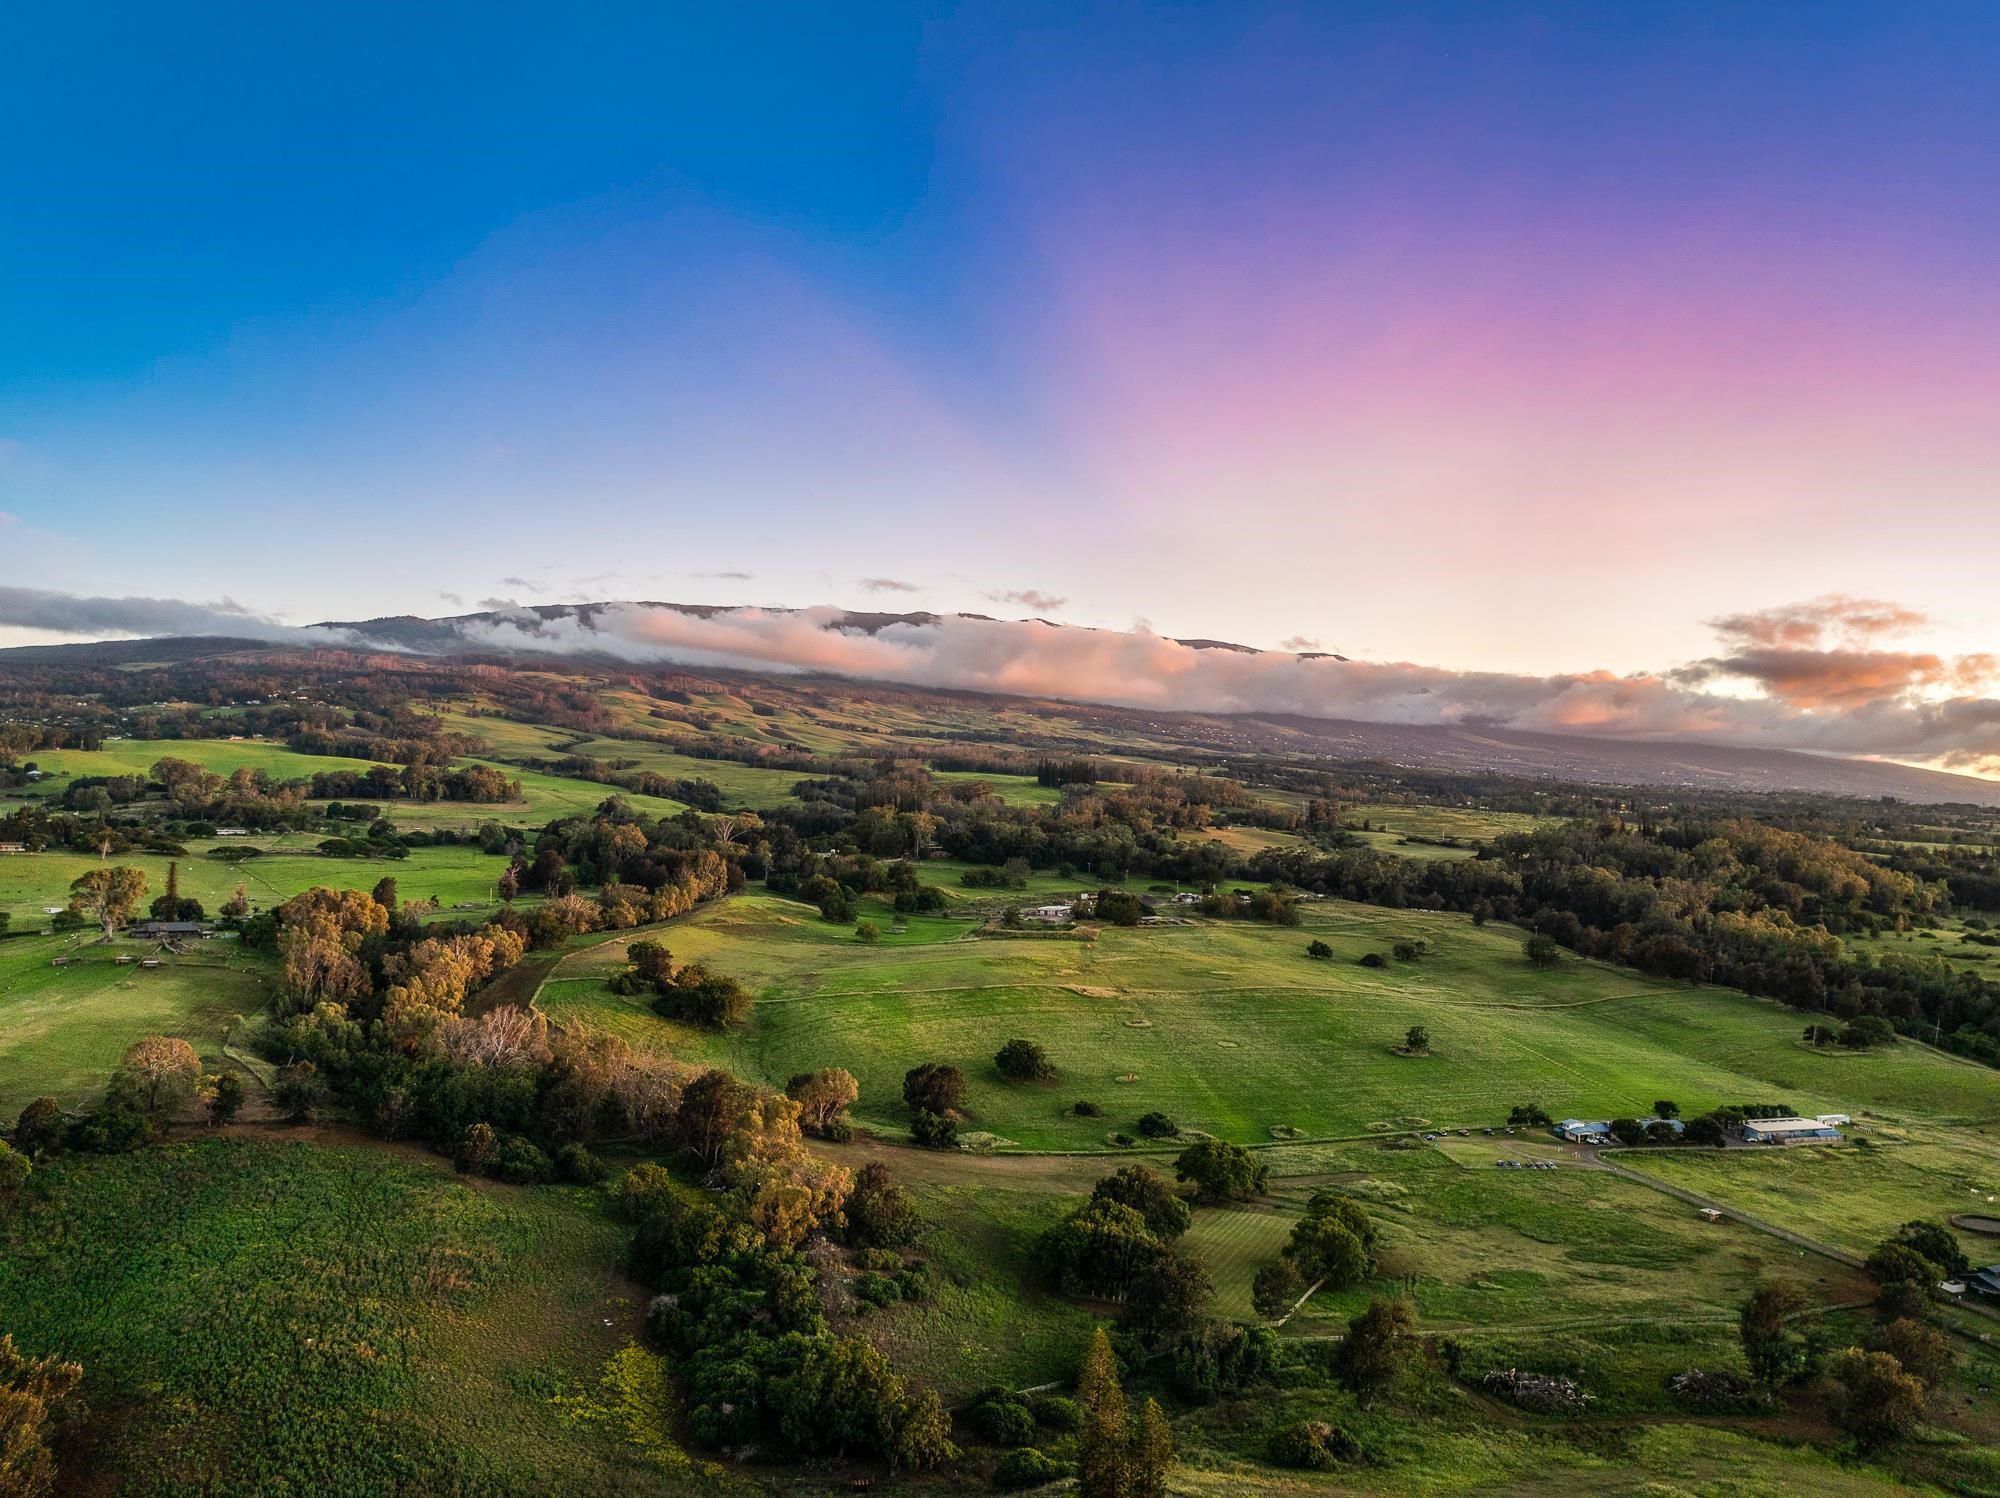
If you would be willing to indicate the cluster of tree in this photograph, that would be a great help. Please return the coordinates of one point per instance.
(1333, 1244)
(418, 780)
(738, 1312)
(688, 993)
(1879, 1390)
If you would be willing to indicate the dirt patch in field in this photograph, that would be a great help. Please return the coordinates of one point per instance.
(1091, 993)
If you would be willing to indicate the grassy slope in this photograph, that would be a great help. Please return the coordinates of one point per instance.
(63, 1030)
(288, 1317)
(1231, 1029)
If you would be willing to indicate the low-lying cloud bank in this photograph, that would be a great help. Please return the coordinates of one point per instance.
(1831, 675)
(144, 618)
(1821, 692)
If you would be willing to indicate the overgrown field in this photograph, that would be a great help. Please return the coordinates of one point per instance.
(258, 1317)
(1231, 1029)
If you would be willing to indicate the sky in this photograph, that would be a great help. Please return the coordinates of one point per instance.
(1508, 338)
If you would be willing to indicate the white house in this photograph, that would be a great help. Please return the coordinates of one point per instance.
(1048, 912)
(1831, 1120)
(1584, 1130)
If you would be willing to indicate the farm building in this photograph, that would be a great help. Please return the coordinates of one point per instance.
(1584, 1131)
(13, 847)
(232, 832)
(1985, 1282)
(154, 930)
(1048, 912)
(1789, 1131)
(1832, 1120)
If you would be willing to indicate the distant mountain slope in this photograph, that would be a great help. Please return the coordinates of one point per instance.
(1594, 760)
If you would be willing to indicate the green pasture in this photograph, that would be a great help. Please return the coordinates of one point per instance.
(30, 883)
(1857, 1194)
(1231, 1029)
(1944, 939)
(219, 756)
(543, 797)
(265, 1317)
(1470, 822)
(63, 1030)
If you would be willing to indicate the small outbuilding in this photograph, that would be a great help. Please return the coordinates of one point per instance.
(1584, 1130)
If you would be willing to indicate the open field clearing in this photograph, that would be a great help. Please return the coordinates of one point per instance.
(1230, 1029)
(1473, 823)
(543, 797)
(1946, 939)
(258, 1316)
(1854, 1196)
(30, 883)
(63, 1030)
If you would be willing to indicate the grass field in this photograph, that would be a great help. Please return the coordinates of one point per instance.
(544, 797)
(263, 1317)
(1944, 939)
(30, 883)
(63, 1030)
(1229, 1028)
(1852, 1197)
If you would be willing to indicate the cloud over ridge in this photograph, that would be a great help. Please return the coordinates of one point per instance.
(1837, 700)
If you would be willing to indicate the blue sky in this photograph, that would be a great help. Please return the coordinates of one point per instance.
(1479, 335)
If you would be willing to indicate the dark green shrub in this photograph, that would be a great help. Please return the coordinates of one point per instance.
(1002, 1419)
(1314, 1445)
(1027, 1468)
(578, 1166)
(1056, 1412)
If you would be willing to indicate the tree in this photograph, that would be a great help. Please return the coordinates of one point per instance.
(1276, 1286)
(1877, 1402)
(161, 1070)
(1152, 1454)
(823, 1097)
(300, 1092)
(1024, 1061)
(39, 1128)
(933, 1087)
(237, 906)
(868, 932)
(1922, 1350)
(107, 896)
(1707, 1130)
(1776, 1352)
(1628, 1131)
(1937, 1243)
(1666, 1108)
(1895, 1262)
(1164, 1297)
(1529, 1115)
(1319, 951)
(880, 1214)
(170, 906)
(1151, 1195)
(1325, 1249)
(1222, 1171)
(33, 1393)
(477, 1148)
(1417, 1040)
(1158, 1126)
(1102, 1458)
(937, 1131)
(1542, 950)
(384, 893)
(1375, 1348)
(226, 1101)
